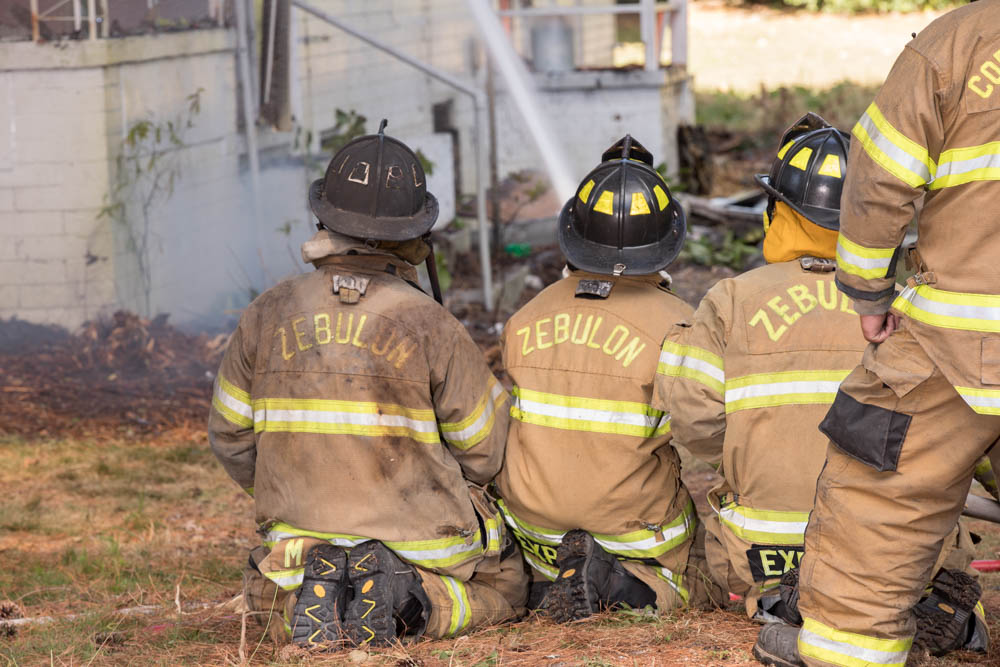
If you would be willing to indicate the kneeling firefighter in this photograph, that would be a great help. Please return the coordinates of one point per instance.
(365, 423)
(591, 485)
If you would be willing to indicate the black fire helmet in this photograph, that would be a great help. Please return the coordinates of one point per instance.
(622, 219)
(374, 188)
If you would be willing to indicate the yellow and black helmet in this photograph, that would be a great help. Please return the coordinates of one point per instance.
(622, 219)
(374, 188)
(808, 173)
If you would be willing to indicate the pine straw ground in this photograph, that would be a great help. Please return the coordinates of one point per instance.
(89, 527)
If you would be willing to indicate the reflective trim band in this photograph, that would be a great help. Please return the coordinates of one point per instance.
(688, 361)
(472, 430)
(232, 403)
(543, 568)
(277, 532)
(294, 415)
(959, 166)
(950, 310)
(675, 580)
(492, 534)
(983, 401)
(848, 649)
(645, 543)
(430, 554)
(460, 607)
(787, 388)
(895, 152)
(440, 553)
(863, 262)
(649, 543)
(552, 538)
(776, 527)
(574, 413)
(287, 580)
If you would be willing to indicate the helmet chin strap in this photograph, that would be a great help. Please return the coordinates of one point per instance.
(432, 272)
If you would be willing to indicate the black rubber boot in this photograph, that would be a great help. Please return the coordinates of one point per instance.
(316, 618)
(788, 589)
(778, 644)
(590, 579)
(943, 617)
(388, 598)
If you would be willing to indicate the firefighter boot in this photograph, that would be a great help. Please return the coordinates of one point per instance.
(788, 589)
(388, 598)
(946, 618)
(591, 579)
(778, 644)
(320, 606)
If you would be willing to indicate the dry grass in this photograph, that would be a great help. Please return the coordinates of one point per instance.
(91, 527)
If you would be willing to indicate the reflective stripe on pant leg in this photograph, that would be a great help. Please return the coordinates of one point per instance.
(461, 611)
(848, 649)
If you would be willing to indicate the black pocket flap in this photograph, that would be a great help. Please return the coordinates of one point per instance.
(868, 433)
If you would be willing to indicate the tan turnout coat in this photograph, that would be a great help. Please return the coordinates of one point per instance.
(930, 138)
(585, 449)
(747, 382)
(352, 417)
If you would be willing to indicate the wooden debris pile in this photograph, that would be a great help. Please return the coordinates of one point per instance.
(123, 374)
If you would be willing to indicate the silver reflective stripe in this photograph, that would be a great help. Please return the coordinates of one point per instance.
(651, 542)
(277, 416)
(588, 414)
(435, 554)
(700, 365)
(458, 597)
(863, 262)
(963, 311)
(552, 539)
(762, 525)
(778, 388)
(893, 152)
(866, 655)
(278, 535)
(473, 429)
(236, 405)
(287, 579)
(957, 167)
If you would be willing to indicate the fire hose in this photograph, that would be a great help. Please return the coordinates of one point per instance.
(987, 509)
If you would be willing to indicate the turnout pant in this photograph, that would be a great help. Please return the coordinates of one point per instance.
(494, 594)
(904, 446)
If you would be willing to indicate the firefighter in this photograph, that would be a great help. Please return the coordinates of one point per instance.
(909, 424)
(749, 380)
(363, 420)
(591, 485)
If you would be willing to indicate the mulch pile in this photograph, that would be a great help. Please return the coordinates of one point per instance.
(122, 373)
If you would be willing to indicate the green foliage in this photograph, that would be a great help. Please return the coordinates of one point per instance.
(732, 250)
(146, 170)
(425, 163)
(444, 275)
(348, 125)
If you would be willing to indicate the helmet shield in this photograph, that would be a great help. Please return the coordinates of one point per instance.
(375, 188)
(622, 219)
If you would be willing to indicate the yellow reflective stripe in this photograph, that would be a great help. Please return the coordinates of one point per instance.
(650, 543)
(461, 610)
(294, 415)
(675, 580)
(492, 534)
(848, 649)
(232, 403)
(576, 413)
(950, 310)
(472, 430)
(694, 363)
(862, 261)
(983, 401)
(958, 166)
(279, 531)
(287, 580)
(895, 152)
(540, 566)
(777, 527)
(786, 388)
(547, 536)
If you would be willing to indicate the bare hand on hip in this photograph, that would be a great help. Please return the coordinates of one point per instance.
(876, 328)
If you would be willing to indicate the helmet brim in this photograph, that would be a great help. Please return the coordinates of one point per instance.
(363, 226)
(641, 260)
(823, 217)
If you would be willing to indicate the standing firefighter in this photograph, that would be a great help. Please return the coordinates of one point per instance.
(909, 425)
(363, 420)
(591, 485)
(748, 382)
